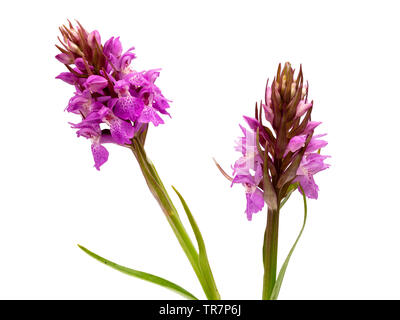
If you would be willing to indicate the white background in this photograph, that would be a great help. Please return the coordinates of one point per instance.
(216, 57)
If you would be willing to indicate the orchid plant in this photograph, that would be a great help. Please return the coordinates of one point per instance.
(277, 158)
(116, 104)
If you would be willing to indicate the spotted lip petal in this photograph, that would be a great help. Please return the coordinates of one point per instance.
(100, 155)
(149, 114)
(254, 203)
(129, 108)
(121, 131)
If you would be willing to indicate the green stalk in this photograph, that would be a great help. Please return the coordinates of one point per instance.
(160, 193)
(270, 253)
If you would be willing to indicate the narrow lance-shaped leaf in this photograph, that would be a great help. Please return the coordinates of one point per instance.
(203, 259)
(142, 275)
(279, 280)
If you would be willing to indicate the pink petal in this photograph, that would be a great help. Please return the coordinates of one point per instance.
(296, 143)
(302, 108)
(255, 203)
(100, 155)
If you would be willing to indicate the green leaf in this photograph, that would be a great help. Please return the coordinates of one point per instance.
(278, 283)
(142, 275)
(204, 264)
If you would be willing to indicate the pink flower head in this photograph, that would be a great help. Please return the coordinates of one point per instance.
(108, 92)
(287, 149)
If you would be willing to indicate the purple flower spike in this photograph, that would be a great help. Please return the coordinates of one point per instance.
(108, 92)
(287, 148)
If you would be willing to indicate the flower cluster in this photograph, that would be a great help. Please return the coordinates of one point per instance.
(115, 102)
(284, 153)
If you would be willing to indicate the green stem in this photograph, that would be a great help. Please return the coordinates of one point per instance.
(160, 193)
(270, 253)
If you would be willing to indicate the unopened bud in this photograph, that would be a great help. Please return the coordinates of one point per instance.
(65, 58)
(74, 33)
(304, 91)
(293, 90)
(74, 48)
(94, 37)
(96, 83)
(284, 82)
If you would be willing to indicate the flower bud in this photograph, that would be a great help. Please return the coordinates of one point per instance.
(113, 47)
(74, 48)
(293, 89)
(68, 77)
(65, 58)
(96, 83)
(93, 38)
(80, 64)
